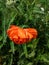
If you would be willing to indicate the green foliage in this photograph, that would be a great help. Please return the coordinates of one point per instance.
(25, 13)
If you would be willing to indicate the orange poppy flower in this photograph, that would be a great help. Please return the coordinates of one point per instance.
(19, 35)
(32, 31)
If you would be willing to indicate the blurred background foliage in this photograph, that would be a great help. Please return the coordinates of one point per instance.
(25, 13)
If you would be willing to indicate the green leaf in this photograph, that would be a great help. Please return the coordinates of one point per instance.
(10, 59)
(38, 12)
(32, 54)
(25, 50)
(48, 43)
(1, 38)
(30, 63)
(12, 47)
(35, 42)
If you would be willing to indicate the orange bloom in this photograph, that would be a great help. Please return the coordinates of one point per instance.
(32, 31)
(19, 35)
